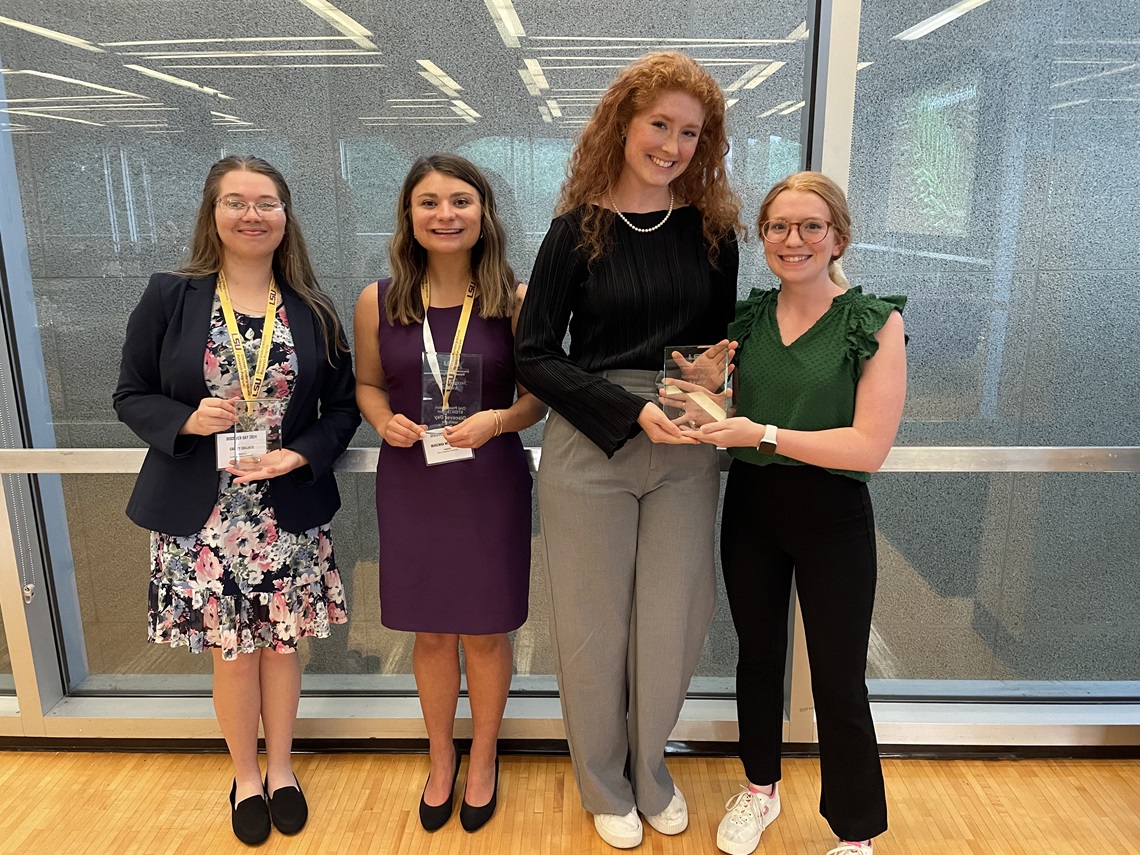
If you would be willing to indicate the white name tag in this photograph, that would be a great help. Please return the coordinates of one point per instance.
(436, 449)
(234, 446)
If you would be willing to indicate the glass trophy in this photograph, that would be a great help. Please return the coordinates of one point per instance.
(257, 431)
(695, 385)
(466, 397)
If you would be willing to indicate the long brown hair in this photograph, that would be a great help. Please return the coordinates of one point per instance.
(290, 259)
(599, 155)
(832, 196)
(408, 260)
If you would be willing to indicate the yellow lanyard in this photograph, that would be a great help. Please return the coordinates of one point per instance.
(250, 386)
(456, 345)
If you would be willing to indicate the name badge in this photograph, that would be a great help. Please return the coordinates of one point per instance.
(239, 445)
(436, 449)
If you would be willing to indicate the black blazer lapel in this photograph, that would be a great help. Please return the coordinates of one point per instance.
(187, 341)
(301, 325)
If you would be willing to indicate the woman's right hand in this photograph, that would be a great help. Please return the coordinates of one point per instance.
(402, 431)
(659, 428)
(212, 415)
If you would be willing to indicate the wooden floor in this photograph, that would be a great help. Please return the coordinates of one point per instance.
(159, 803)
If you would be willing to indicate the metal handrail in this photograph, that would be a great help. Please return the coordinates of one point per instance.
(906, 458)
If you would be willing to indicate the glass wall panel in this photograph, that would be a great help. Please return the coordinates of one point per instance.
(1006, 586)
(116, 116)
(7, 686)
(993, 182)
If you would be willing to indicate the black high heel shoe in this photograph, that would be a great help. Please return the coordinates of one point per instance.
(287, 807)
(474, 818)
(249, 818)
(433, 817)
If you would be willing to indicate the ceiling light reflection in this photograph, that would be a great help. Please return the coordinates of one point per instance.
(229, 41)
(223, 54)
(74, 41)
(287, 65)
(940, 19)
(653, 40)
(340, 21)
(536, 73)
(50, 116)
(506, 21)
(62, 79)
(768, 113)
(1109, 73)
(178, 81)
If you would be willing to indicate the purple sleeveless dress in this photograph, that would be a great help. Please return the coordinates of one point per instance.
(455, 537)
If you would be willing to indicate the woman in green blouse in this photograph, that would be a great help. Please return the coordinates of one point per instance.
(820, 384)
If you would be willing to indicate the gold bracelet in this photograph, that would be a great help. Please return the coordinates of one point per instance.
(498, 422)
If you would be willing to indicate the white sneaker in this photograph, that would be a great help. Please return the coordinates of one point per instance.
(748, 815)
(675, 818)
(621, 832)
(851, 849)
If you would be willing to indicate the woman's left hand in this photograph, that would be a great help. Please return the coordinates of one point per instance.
(731, 433)
(270, 465)
(473, 431)
(710, 368)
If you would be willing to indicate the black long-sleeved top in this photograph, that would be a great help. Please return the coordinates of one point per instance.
(649, 292)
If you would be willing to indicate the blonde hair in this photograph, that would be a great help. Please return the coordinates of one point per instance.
(408, 260)
(290, 259)
(599, 155)
(836, 201)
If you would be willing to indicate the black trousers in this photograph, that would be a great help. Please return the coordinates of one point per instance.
(781, 519)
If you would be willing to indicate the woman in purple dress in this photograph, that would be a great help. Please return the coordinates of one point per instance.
(454, 509)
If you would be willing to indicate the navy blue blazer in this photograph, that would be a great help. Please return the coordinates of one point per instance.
(161, 384)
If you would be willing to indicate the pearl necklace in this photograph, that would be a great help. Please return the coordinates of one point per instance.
(651, 228)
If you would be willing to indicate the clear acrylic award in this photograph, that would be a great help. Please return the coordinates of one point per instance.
(451, 393)
(465, 398)
(695, 385)
(256, 432)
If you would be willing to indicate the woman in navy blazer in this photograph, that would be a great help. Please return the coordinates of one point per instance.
(241, 558)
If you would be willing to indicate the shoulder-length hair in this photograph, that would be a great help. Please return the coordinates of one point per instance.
(408, 260)
(290, 259)
(836, 201)
(599, 155)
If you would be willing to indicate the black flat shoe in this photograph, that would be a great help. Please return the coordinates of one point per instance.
(288, 808)
(474, 818)
(250, 818)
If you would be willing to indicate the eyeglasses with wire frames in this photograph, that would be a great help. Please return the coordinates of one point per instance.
(812, 230)
(237, 207)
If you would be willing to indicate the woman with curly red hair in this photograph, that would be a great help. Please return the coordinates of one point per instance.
(641, 256)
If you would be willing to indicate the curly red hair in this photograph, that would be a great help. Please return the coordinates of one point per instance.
(599, 155)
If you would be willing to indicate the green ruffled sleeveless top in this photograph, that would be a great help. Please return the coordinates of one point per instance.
(809, 384)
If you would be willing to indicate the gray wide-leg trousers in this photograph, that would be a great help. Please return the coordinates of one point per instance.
(629, 545)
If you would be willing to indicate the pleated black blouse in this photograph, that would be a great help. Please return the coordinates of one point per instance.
(649, 292)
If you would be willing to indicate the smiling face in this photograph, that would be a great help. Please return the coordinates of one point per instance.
(446, 214)
(251, 234)
(795, 260)
(660, 142)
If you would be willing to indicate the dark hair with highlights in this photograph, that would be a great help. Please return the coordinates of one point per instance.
(290, 259)
(408, 260)
(599, 155)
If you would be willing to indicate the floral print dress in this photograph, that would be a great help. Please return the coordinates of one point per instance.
(242, 582)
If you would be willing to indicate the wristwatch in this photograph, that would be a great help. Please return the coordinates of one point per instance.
(768, 442)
